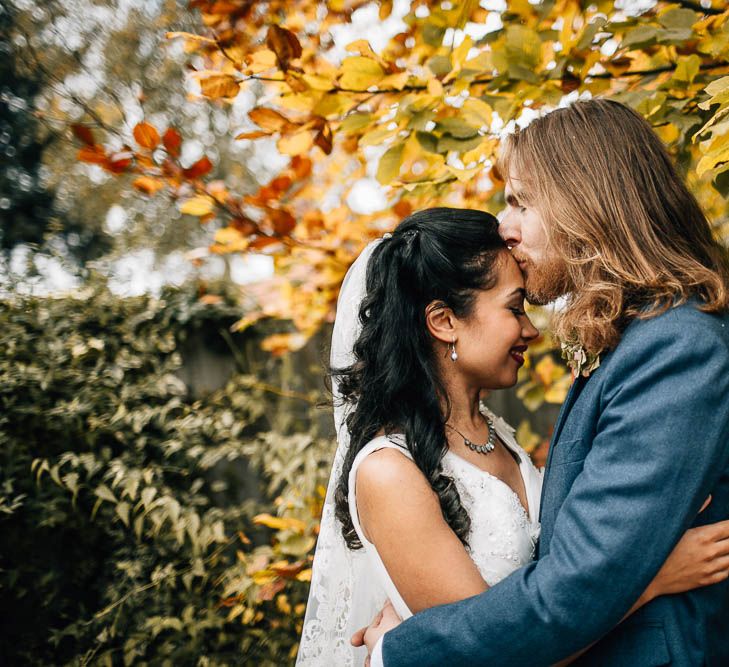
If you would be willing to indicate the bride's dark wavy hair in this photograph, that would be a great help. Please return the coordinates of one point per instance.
(439, 254)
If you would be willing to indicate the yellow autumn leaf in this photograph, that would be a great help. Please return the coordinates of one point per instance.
(318, 82)
(219, 85)
(296, 144)
(198, 206)
(262, 60)
(476, 113)
(397, 81)
(548, 371)
(278, 344)
(332, 105)
(557, 392)
(362, 47)
(712, 160)
(359, 73)
(275, 522)
(191, 36)
(435, 88)
(389, 167)
(264, 577)
(232, 239)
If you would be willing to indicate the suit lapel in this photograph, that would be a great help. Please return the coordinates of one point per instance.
(572, 395)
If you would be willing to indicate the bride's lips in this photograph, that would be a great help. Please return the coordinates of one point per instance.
(517, 353)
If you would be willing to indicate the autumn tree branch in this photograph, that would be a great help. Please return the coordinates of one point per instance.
(698, 7)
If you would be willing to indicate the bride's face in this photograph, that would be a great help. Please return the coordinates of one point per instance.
(492, 340)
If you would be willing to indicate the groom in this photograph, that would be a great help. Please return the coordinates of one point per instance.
(597, 213)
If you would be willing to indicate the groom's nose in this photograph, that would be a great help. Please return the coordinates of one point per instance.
(509, 229)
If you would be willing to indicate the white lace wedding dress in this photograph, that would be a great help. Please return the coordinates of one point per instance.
(503, 534)
(503, 538)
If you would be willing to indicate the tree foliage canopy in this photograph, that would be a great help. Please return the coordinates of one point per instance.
(422, 113)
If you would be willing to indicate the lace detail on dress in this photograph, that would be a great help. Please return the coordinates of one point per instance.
(502, 537)
(324, 640)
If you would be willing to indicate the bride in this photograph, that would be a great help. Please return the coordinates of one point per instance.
(431, 499)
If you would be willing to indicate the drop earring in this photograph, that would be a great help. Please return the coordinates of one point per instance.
(454, 354)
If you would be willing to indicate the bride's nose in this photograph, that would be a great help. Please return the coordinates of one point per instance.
(529, 331)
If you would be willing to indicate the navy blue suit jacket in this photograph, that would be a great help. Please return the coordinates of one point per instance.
(637, 448)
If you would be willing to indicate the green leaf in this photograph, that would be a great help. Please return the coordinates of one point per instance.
(687, 68)
(721, 182)
(588, 34)
(122, 511)
(427, 141)
(457, 128)
(639, 37)
(389, 167)
(355, 121)
(440, 65)
(678, 19)
(523, 49)
(674, 36)
(449, 143)
(105, 493)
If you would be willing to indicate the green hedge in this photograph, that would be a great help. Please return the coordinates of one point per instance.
(125, 539)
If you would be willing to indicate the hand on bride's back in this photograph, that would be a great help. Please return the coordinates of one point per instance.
(701, 558)
(385, 621)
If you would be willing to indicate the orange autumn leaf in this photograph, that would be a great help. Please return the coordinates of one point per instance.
(197, 169)
(264, 242)
(83, 133)
(172, 141)
(301, 166)
(219, 85)
(147, 184)
(282, 220)
(256, 134)
(93, 154)
(270, 120)
(146, 135)
(269, 591)
(287, 570)
(323, 139)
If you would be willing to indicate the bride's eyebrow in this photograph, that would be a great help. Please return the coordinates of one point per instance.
(519, 291)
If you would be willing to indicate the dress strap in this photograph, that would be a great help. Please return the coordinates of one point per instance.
(393, 441)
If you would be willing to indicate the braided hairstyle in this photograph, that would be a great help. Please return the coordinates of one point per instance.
(439, 254)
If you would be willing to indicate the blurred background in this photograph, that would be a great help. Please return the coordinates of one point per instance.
(182, 188)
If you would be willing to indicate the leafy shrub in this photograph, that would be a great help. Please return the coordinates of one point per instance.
(132, 529)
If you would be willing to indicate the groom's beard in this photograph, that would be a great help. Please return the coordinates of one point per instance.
(546, 280)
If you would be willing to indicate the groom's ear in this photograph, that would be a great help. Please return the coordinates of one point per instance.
(441, 321)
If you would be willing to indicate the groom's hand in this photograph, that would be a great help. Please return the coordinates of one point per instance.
(385, 621)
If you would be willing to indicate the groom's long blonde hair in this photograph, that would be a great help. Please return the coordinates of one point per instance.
(633, 238)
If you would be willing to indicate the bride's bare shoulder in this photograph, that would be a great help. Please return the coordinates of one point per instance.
(389, 473)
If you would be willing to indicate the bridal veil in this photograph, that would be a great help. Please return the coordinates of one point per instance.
(340, 598)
